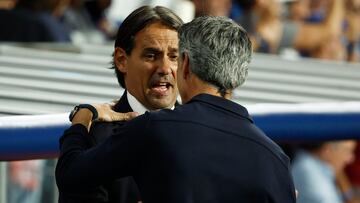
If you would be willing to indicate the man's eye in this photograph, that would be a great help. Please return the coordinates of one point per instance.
(173, 57)
(150, 56)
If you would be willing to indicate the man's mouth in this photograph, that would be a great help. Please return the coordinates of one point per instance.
(161, 88)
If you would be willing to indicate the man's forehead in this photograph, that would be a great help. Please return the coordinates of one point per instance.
(156, 35)
(159, 41)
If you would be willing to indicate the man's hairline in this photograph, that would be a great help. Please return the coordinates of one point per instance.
(150, 23)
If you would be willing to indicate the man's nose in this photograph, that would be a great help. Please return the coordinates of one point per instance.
(164, 66)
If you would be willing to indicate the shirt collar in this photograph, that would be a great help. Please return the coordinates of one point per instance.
(136, 105)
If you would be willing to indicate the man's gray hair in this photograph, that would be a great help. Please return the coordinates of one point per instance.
(219, 51)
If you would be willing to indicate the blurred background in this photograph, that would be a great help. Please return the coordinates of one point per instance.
(55, 54)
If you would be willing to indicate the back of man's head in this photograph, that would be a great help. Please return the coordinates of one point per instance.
(219, 51)
(138, 20)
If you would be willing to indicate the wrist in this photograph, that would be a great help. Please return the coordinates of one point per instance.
(84, 117)
(83, 114)
(82, 106)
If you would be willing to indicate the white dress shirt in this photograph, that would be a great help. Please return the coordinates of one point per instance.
(136, 105)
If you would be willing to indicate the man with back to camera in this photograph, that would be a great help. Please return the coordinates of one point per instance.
(145, 62)
(207, 150)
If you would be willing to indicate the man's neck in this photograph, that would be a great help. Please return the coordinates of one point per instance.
(200, 87)
(135, 104)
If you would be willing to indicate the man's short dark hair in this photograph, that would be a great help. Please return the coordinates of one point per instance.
(136, 21)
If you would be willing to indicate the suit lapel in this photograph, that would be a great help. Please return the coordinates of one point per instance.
(123, 105)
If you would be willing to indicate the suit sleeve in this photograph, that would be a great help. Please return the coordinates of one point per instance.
(82, 169)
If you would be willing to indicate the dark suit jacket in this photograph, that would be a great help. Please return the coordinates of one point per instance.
(206, 151)
(123, 190)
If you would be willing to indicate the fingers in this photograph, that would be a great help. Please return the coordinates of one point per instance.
(125, 116)
(110, 116)
(107, 114)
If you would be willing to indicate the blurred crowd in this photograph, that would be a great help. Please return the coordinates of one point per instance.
(76, 21)
(327, 171)
(324, 29)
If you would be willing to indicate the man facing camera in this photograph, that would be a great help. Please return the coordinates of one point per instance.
(145, 62)
(207, 150)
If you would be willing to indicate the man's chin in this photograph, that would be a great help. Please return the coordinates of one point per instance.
(162, 103)
(159, 99)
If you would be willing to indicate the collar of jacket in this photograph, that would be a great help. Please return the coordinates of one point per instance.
(222, 103)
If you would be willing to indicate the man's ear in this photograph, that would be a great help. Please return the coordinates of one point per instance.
(185, 66)
(120, 59)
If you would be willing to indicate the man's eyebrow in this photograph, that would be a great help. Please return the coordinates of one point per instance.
(173, 49)
(156, 50)
(151, 49)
